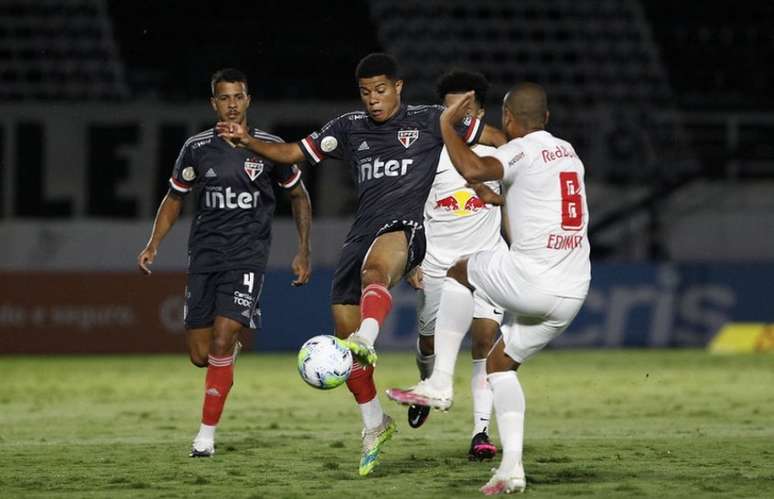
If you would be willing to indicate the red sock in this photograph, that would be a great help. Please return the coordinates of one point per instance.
(361, 383)
(220, 377)
(375, 303)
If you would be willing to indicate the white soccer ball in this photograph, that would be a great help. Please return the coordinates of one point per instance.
(324, 362)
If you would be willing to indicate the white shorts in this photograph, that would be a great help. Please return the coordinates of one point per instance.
(429, 300)
(533, 318)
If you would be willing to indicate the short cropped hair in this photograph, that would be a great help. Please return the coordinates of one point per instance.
(229, 75)
(377, 64)
(461, 81)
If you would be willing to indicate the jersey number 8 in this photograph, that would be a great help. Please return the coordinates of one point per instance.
(572, 201)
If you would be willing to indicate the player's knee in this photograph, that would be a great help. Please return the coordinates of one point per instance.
(480, 347)
(199, 360)
(222, 344)
(373, 275)
(427, 345)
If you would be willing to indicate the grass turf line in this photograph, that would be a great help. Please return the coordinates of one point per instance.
(599, 423)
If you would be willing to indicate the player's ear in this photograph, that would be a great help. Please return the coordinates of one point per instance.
(249, 100)
(213, 104)
(398, 86)
(548, 115)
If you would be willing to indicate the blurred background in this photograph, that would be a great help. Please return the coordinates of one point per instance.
(668, 103)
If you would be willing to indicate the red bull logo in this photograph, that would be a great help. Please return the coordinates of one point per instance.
(461, 203)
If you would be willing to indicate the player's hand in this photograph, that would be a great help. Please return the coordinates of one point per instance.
(145, 259)
(302, 268)
(234, 132)
(457, 111)
(415, 278)
(486, 194)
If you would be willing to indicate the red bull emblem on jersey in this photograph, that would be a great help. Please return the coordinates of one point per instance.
(253, 167)
(460, 203)
(407, 137)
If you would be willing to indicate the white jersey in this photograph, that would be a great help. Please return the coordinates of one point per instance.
(545, 196)
(457, 222)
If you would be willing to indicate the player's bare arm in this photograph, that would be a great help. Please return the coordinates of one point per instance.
(166, 216)
(473, 168)
(302, 214)
(284, 153)
(492, 136)
(487, 195)
(505, 228)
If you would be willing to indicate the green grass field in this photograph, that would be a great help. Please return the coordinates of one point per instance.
(601, 423)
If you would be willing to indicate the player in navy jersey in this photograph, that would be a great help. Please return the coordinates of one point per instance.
(228, 246)
(393, 149)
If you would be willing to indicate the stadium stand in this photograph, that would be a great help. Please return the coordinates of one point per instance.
(58, 50)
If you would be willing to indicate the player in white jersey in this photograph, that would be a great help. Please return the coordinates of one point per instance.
(460, 220)
(541, 281)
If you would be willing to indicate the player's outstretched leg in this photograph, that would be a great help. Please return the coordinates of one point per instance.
(375, 304)
(377, 426)
(455, 315)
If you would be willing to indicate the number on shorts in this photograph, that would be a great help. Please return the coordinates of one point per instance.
(572, 201)
(249, 281)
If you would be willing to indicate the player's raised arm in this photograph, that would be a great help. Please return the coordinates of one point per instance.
(284, 153)
(473, 168)
(167, 215)
(492, 136)
(302, 214)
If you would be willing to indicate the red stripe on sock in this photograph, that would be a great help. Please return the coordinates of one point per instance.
(361, 383)
(217, 384)
(375, 303)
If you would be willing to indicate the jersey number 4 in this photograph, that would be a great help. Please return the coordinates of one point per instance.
(572, 201)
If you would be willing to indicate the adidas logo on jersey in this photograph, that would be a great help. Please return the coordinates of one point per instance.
(363, 146)
(210, 173)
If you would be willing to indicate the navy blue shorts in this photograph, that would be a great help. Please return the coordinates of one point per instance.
(346, 280)
(230, 293)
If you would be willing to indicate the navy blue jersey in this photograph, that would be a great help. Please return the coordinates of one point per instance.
(231, 228)
(393, 163)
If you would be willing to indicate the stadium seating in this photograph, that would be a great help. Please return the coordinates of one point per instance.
(58, 50)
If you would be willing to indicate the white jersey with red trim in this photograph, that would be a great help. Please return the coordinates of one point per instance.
(457, 222)
(545, 198)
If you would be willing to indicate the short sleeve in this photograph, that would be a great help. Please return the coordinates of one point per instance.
(469, 129)
(331, 141)
(184, 172)
(286, 176)
(512, 157)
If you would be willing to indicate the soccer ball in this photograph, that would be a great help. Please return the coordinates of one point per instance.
(324, 362)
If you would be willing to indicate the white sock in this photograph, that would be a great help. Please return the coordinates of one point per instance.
(482, 397)
(206, 432)
(424, 363)
(455, 313)
(509, 406)
(372, 413)
(369, 330)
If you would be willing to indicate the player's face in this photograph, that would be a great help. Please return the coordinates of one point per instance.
(509, 125)
(474, 109)
(380, 96)
(231, 101)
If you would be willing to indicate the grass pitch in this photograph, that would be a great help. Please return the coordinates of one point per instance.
(602, 423)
